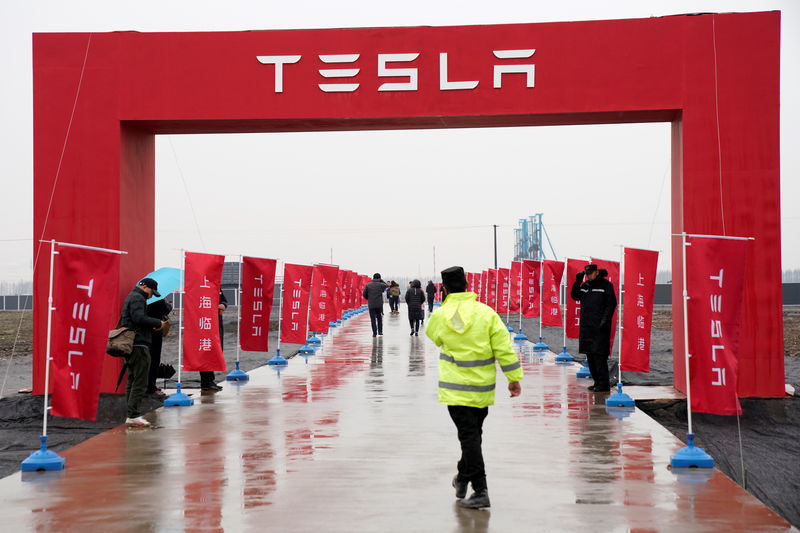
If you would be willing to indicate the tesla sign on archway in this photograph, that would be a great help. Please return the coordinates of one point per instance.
(714, 77)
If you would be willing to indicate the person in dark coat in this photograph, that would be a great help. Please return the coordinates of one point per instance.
(373, 293)
(394, 297)
(598, 302)
(415, 299)
(430, 289)
(134, 316)
(160, 310)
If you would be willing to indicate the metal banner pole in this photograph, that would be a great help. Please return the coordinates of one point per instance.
(179, 398)
(541, 346)
(278, 360)
(688, 456)
(237, 374)
(619, 398)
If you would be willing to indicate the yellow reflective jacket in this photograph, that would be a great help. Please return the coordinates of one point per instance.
(471, 337)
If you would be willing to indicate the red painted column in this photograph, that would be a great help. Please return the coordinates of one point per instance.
(734, 114)
(103, 194)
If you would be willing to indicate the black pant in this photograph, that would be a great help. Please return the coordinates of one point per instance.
(598, 366)
(394, 303)
(469, 423)
(430, 303)
(376, 319)
(414, 322)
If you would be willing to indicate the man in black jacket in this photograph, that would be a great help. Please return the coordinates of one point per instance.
(134, 316)
(373, 293)
(598, 302)
(430, 289)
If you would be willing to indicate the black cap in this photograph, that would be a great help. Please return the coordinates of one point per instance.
(151, 284)
(590, 268)
(454, 280)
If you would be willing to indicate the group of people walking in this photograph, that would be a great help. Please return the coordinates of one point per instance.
(415, 298)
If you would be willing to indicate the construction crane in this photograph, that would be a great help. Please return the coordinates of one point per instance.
(528, 243)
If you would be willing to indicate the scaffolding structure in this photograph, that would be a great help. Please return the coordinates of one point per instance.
(528, 243)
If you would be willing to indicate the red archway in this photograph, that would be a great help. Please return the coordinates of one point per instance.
(714, 77)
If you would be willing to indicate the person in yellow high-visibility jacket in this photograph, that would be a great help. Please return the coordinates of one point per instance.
(471, 336)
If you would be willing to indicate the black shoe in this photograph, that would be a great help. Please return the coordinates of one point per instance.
(412, 332)
(478, 500)
(211, 386)
(602, 389)
(416, 333)
(460, 486)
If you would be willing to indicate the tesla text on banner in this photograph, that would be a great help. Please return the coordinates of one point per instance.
(530, 288)
(491, 288)
(296, 291)
(516, 287)
(258, 287)
(85, 284)
(714, 280)
(503, 291)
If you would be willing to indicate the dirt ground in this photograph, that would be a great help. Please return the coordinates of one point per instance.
(770, 428)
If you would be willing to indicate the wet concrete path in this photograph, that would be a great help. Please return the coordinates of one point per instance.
(353, 439)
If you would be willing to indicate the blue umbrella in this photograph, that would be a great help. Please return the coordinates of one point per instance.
(168, 279)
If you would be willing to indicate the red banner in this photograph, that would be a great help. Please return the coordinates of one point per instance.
(503, 291)
(637, 317)
(340, 283)
(530, 288)
(201, 345)
(438, 296)
(355, 295)
(491, 288)
(715, 270)
(323, 296)
(296, 292)
(573, 307)
(360, 292)
(85, 284)
(516, 287)
(613, 276)
(552, 272)
(258, 288)
(346, 282)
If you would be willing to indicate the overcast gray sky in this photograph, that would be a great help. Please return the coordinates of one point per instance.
(250, 194)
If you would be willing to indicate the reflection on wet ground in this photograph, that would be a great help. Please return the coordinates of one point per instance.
(353, 439)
